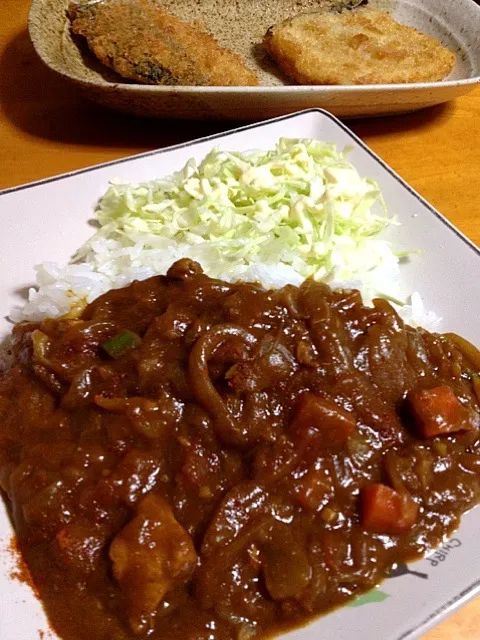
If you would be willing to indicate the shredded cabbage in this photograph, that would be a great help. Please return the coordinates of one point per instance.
(274, 217)
(301, 208)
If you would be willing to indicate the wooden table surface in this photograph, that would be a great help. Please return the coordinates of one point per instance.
(47, 128)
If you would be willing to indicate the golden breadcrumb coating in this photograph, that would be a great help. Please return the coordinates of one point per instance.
(141, 42)
(362, 46)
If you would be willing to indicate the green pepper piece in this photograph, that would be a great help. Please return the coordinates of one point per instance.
(121, 343)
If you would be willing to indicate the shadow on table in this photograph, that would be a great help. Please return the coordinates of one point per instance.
(37, 101)
(42, 104)
(386, 125)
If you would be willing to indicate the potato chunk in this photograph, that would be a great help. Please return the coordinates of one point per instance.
(151, 555)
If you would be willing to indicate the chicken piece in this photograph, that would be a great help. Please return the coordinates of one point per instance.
(151, 555)
(361, 46)
(139, 41)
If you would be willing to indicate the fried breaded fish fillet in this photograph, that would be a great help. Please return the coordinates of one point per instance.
(362, 46)
(141, 42)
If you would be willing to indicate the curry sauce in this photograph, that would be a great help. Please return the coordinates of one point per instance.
(197, 460)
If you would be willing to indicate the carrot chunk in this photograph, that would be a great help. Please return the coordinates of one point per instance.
(321, 424)
(438, 412)
(384, 510)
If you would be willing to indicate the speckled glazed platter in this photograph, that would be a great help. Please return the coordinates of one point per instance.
(48, 220)
(241, 26)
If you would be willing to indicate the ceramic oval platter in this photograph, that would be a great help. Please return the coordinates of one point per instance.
(241, 27)
(48, 220)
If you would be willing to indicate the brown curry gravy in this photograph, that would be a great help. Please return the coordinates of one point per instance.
(211, 478)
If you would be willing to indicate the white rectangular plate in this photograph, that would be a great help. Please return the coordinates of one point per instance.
(48, 220)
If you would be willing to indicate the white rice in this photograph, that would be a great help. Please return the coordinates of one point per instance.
(111, 265)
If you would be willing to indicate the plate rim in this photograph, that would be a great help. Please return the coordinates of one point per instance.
(444, 611)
